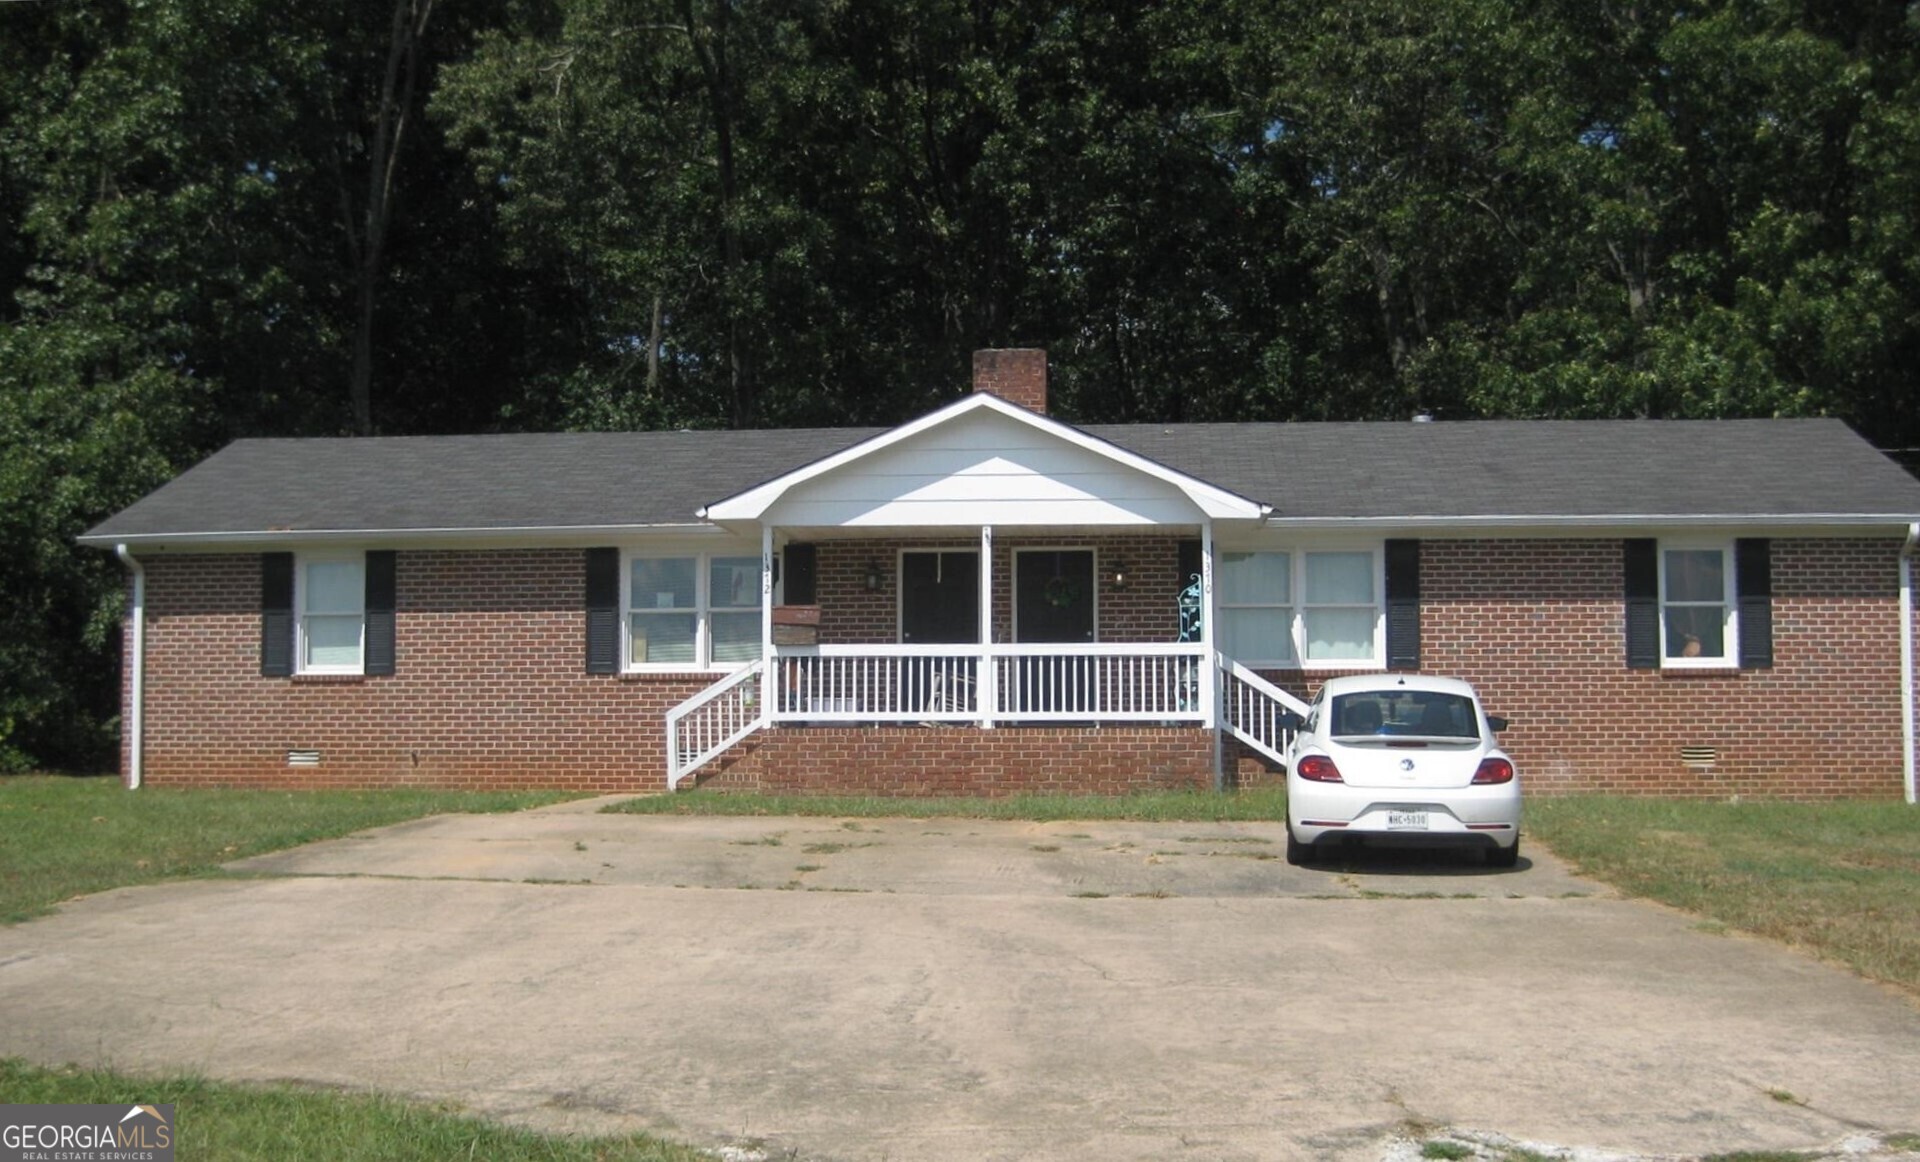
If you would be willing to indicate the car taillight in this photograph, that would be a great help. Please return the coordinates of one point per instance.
(1494, 771)
(1317, 768)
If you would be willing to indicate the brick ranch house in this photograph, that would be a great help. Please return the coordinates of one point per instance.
(987, 599)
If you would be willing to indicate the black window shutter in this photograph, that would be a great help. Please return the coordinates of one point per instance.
(1187, 564)
(603, 611)
(802, 574)
(1641, 557)
(1753, 580)
(380, 605)
(1403, 605)
(276, 615)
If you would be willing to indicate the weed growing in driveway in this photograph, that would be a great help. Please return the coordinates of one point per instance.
(64, 837)
(834, 848)
(1046, 847)
(1840, 879)
(1453, 1151)
(808, 867)
(1089, 895)
(763, 841)
(237, 1123)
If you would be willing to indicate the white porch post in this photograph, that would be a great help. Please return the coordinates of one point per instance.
(1210, 660)
(767, 676)
(987, 680)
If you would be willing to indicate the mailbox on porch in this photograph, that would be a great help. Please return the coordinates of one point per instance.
(796, 625)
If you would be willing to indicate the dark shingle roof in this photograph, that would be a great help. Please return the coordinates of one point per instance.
(1544, 468)
(1508, 469)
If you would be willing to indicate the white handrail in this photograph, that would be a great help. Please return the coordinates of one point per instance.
(1251, 708)
(978, 683)
(705, 725)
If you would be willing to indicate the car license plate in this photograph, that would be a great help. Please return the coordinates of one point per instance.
(1407, 820)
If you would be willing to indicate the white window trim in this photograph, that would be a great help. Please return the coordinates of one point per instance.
(300, 563)
(703, 610)
(1291, 607)
(1297, 590)
(1729, 600)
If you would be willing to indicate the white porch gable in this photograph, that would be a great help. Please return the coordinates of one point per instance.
(983, 461)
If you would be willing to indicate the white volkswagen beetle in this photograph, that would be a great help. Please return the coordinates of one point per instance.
(1401, 760)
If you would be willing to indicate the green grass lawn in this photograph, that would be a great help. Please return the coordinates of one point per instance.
(241, 1123)
(1268, 803)
(1839, 879)
(64, 837)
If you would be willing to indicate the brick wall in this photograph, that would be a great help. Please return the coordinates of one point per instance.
(1144, 611)
(491, 689)
(958, 760)
(1537, 626)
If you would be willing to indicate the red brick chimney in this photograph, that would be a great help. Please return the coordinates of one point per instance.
(1015, 374)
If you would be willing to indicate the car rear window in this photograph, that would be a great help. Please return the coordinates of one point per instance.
(1404, 714)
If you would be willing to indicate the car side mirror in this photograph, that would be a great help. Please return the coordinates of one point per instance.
(1496, 723)
(1291, 720)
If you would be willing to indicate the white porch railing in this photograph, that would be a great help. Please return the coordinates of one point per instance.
(705, 725)
(1099, 683)
(1147, 682)
(1251, 708)
(876, 684)
(1144, 682)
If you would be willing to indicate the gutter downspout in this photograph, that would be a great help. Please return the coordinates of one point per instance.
(136, 716)
(1906, 654)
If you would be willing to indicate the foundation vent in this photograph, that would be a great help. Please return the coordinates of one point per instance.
(1699, 756)
(303, 758)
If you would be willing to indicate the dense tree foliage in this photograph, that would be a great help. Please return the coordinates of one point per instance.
(232, 217)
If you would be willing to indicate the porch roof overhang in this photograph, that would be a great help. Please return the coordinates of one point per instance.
(929, 486)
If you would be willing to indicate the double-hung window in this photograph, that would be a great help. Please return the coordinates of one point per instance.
(1320, 609)
(1255, 599)
(693, 610)
(1697, 605)
(330, 599)
(1340, 610)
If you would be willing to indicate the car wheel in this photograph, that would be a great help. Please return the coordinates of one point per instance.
(1504, 856)
(1298, 852)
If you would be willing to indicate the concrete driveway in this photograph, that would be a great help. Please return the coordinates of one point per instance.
(956, 989)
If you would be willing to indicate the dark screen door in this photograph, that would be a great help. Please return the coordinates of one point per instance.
(939, 597)
(1053, 595)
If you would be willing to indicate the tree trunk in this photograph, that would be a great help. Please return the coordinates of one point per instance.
(367, 244)
(710, 43)
(653, 351)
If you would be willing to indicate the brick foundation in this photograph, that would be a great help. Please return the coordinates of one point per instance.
(959, 760)
(491, 689)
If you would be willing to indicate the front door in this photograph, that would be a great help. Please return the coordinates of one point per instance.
(1053, 595)
(1052, 602)
(939, 597)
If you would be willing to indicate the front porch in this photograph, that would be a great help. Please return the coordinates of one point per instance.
(984, 568)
